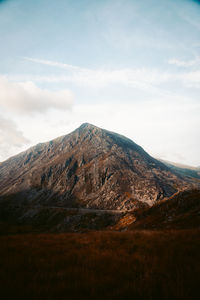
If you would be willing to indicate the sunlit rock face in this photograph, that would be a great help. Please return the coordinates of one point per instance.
(90, 167)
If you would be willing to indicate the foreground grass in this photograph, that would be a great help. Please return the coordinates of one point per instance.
(101, 265)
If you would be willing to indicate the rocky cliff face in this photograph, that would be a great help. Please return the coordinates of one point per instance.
(90, 167)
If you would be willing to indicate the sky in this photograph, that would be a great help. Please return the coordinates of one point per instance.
(129, 66)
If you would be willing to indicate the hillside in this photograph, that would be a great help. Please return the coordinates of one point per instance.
(180, 211)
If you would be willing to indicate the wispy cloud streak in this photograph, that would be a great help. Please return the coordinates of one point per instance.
(137, 78)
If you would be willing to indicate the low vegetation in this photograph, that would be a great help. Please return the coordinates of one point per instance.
(138, 264)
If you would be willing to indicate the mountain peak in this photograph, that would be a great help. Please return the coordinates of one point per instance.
(87, 126)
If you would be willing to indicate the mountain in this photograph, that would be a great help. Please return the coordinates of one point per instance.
(181, 211)
(89, 168)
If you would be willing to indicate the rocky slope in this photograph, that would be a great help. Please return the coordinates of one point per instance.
(92, 168)
(181, 211)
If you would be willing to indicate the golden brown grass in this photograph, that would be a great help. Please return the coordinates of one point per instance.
(101, 265)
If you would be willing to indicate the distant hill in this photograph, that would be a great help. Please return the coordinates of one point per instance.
(181, 211)
(183, 169)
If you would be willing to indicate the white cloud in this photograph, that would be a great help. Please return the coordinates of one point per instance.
(192, 77)
(96, 78)
(184, 63)
(102, 78)
(11, 139)
(26, 97)
(137, 78)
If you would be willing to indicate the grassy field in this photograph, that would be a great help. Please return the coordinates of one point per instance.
(101, 265)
